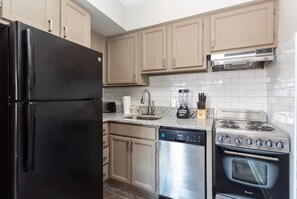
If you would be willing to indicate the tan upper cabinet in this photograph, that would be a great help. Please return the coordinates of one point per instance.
(42, 14)
(143, 164)
(187, 44)
(98, 43)
(123, 60)
(154, 49)
(245, 27)
(120, 158)
(75, 23)
(173, 48)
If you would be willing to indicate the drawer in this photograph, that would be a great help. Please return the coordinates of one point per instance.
(105, 156)
(133, 131)
(105, 141)
(105, 172)
(105, 129)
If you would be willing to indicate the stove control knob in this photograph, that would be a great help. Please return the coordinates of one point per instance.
(269, 143)
(249, 141)
(221, 138)
(238, 140)
(259, 142)
(280, 145)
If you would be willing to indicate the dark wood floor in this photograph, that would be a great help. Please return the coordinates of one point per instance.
(114, 192)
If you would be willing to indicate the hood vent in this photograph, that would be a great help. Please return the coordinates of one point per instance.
(252, 59)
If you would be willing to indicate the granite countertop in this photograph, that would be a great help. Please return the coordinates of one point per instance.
(167, 121)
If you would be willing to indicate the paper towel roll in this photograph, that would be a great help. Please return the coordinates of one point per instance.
(126, 104)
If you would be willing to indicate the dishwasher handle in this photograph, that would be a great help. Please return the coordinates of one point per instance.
(179, 140)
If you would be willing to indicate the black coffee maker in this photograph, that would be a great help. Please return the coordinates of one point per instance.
(183, 110)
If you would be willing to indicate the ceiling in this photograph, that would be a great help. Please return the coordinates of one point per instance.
(131, 3)
(113, 17)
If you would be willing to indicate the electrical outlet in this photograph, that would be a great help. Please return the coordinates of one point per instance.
(173, 103)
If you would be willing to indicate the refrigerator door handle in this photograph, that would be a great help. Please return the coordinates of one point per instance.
(30, 134)
(30, 63)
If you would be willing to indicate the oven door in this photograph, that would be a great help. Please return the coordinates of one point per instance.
(251, 174)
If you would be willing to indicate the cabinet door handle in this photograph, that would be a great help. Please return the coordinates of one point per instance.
(65, 32)
(164, 63)
(174, 61)
(212, 42)
(50, 25)
(128, 145)
(132, 146)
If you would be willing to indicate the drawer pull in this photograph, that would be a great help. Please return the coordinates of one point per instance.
(104, 174)
(104, 130)
(105, 158)
(104, 142)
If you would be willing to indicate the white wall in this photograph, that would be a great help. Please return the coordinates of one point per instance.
(282, 100)
(113, 9)
(287, 19)
(229, 89)
(159, 11)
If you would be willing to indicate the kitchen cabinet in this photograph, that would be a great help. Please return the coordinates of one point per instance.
(105, 152)
(177, 47)
(244, 27)
(75, 23)
(133, 155)
(154, 49)
(60, 17)
(123, 60)
(98, 43)
(42, 14)
(187, 46)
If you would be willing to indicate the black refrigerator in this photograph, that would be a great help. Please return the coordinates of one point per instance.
(51, 116)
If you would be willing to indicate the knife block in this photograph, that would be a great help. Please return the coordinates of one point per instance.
(201, 114)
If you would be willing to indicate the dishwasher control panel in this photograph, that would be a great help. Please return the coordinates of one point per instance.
(196, 137)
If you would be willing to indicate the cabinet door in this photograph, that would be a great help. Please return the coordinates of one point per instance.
(143, 164)
(154, 49)
(41, 14)
(251, 26)
(120, 158)
(187, 44)
(75, 23)
(122, 53)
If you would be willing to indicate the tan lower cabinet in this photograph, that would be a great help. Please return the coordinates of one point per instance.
(120, 158)
(133, 159)
(143, 164)
(245, 27)
(75, 23)
(105, 148)
(42, 14)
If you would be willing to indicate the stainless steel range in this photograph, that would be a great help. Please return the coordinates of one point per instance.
(251, 156)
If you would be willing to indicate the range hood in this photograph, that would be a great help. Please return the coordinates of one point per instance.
(242, 60)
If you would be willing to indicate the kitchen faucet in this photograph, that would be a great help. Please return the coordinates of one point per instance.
(142, 101)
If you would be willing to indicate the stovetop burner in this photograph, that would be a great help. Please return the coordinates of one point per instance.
(230, 126)
(227, 122)
(254, 123)
(260, 128)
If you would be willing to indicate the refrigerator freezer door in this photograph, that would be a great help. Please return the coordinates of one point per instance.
(58, 150)
(45, 67)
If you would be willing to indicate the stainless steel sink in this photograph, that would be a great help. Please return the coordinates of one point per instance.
(144, 117)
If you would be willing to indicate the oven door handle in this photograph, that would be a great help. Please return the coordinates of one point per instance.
(251, 155)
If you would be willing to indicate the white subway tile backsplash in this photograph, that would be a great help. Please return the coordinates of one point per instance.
(281, 99)
(228, 89)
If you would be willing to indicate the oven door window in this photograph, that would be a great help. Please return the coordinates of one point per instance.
(251, 172)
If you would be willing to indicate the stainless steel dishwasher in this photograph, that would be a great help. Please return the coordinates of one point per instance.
(181, 164)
